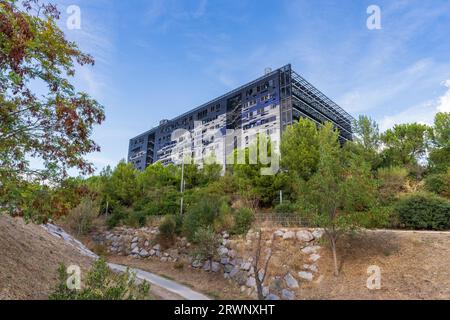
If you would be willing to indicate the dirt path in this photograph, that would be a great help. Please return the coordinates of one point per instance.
(169, 285)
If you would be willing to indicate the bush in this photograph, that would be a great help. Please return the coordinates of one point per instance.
(168, 227)
(392, 181)
(207, 242)
(285, 207)
(101, 284)
(136, 219)
(439, 184)
(117, 216)
(424, 211)
(225, 219)
(243, 221)
(80, 219)
(201, 214)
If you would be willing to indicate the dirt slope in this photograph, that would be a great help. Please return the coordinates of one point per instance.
(29, 258)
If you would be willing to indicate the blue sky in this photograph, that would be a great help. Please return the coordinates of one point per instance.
(158, 58)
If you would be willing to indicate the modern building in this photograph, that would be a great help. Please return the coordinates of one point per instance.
(268, 104)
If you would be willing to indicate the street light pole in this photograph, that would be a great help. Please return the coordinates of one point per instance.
(182, 187)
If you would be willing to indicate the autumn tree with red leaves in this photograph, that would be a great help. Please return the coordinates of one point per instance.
(54, 126)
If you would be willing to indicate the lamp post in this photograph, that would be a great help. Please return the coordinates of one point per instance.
(182, 186)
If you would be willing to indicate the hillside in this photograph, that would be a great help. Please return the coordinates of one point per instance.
(30, 256)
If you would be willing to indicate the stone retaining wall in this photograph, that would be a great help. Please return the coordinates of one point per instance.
(233, 263)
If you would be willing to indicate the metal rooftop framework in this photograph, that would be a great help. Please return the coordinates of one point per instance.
(324, 108)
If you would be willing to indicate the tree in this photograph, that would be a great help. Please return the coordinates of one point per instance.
(439, 158)
(123, 185)
(405, 144)
(54, 124)
(367, 141)
(337, 188)
(300, 149)
(207, 244)
(261, 260)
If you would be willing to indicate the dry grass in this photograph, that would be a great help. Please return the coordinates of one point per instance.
(29, 259)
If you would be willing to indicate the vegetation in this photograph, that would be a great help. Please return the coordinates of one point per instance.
(101, 284)
(207, 242)
(53, 125)
(424, 211)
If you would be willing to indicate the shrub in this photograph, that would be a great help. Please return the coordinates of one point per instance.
(101, 284)
(392, 181)
(80, 219)
(243, 220)
(285, 207)
(207, 242)
(225, 219)
(201, 214)
(439, 184)
(117, 216)
(136, 219)
(168, 227)
(424, 211)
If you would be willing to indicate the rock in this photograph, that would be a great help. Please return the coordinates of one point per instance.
(215, 267)
(251, 282)
(144, 253)
(287, 295)
(241, 278)
(232, 254)
(164, 259)
(289, 235)
(135, 239)
(278, 233)
(311, 267)
(146, 244)
(311, 249)
(197, 264)
(135, 251)
(157, 247)
(134, 245)
(308, 276)
(276, 285)
(265, 291)
(225, 235)
(314, 257)
(166, 254)
(246, 266)
(261, 275)
(290, 281)
(305, 236)
(222, 251)
(234, 271)
(207, 266)
(272, 297)
(318, 233)
(228, 268)
(224, 260)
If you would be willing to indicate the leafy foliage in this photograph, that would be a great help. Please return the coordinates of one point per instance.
(101, 284)
(424, 211)
(207, 242)
(243, 220)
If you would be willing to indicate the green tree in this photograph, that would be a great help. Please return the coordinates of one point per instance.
(405, 144)
(299, 148)
(53, 125)
(123, 185)
(439, 158)
(340, 186)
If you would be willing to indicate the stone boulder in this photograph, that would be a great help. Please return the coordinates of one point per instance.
(291, 282)
(305, 236)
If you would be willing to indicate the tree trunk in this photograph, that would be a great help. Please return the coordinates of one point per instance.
(333, 248)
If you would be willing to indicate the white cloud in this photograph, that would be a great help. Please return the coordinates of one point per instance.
(444, 101)
(423, 113)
